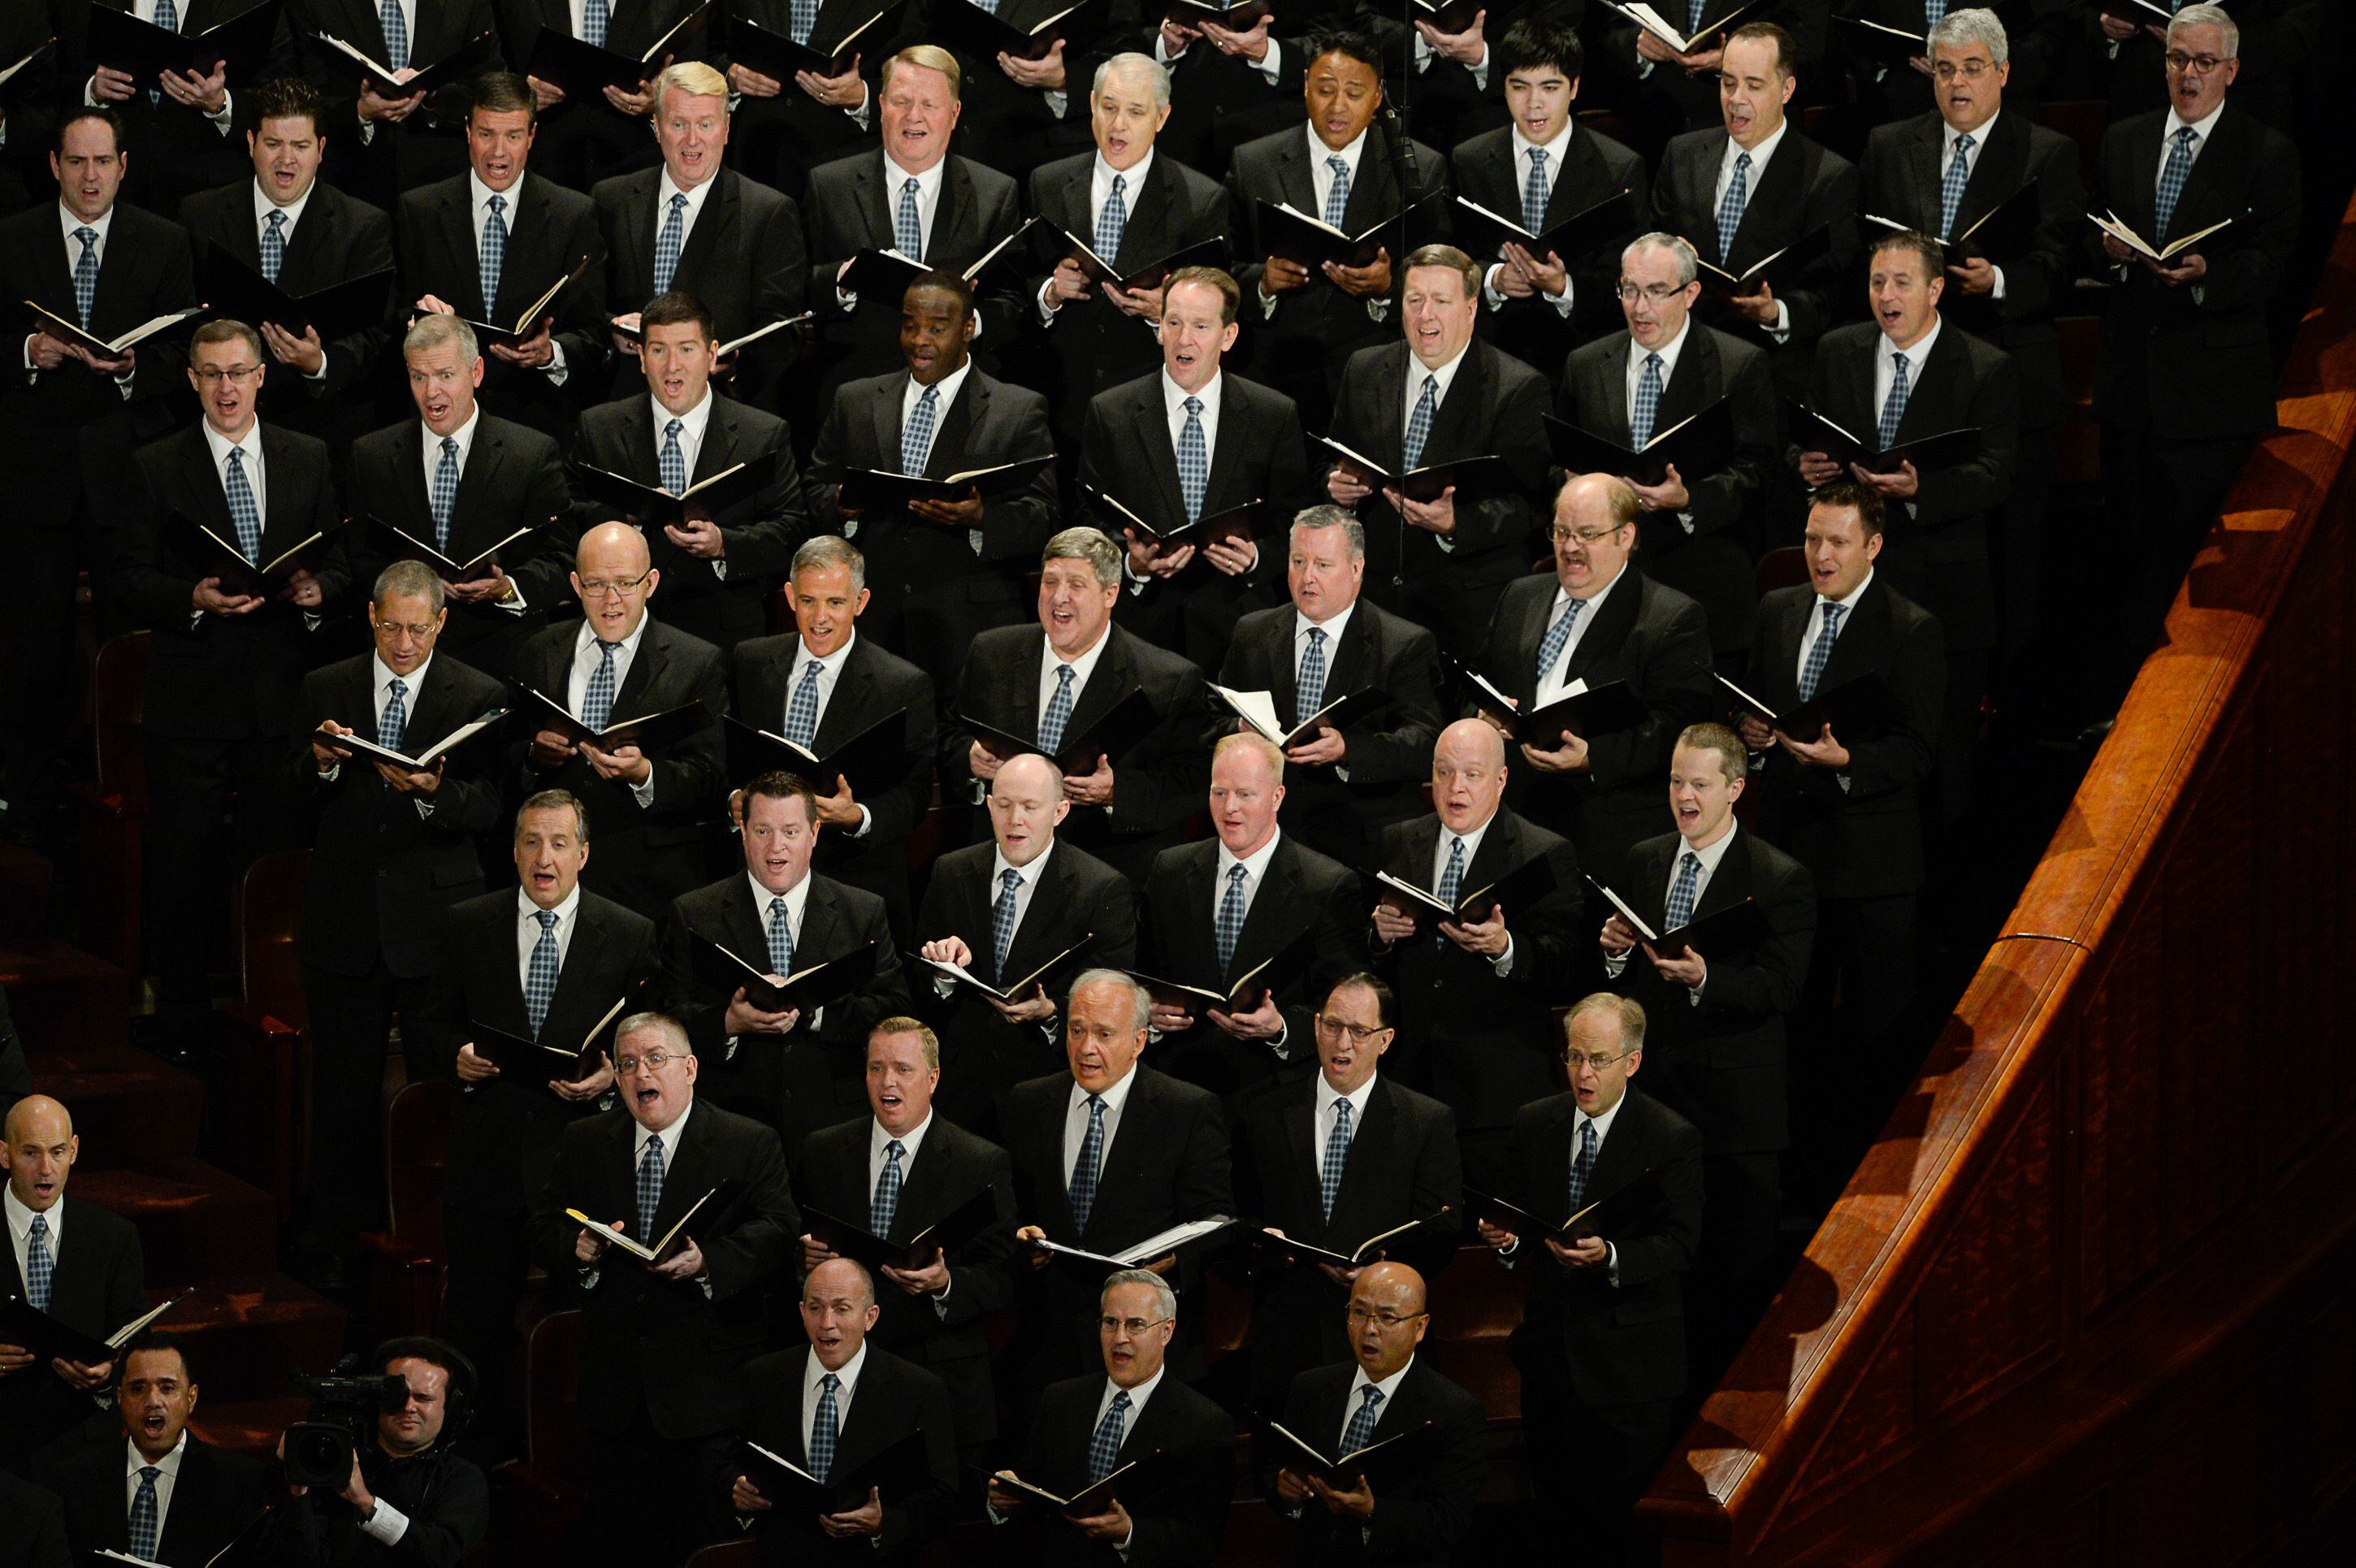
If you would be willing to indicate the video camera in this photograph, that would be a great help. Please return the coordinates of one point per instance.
(342, 1419)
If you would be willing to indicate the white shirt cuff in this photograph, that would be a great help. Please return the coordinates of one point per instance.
(386, 1526)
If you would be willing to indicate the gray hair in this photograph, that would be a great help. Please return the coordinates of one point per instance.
(1165, 1300)
(1688, 264)
(673, 1033)
(407, 578)
(1626, 1011)
(435, 330)
(1325, 514)
(556, 801)
(830, 550)
(1959, 29)
(1141, 1000)
(1134, 64)
(2209, 17)
(1092, 546)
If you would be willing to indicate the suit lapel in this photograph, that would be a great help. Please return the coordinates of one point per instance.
(1389, 383)
(1691, 385)
(1293, 178)
(958, 421)
(644, 670)
(848, 708)
(1456, 428)
(1603, 637)
(1137, 1126)
(1731, 884)
(1146, 239)
(1114, 676)
(713, 225)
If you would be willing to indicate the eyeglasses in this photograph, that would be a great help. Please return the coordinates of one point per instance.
(1359, 1033)
(1584, 535)
(395, 629)
(653, 1061)
(1970, 70)
(1134, 1327)
(2191, 65)
(1658, 293)
(213, 375)
(613, 588)
(1577, 1060)
(1388, 1321)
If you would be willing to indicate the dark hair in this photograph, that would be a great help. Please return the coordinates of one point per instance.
(160, 1342)
(1350, 44)
(779, 785)
(1218, 280)
(227, 329)
(285, 98)
(77, 114)
(1862, 498)
(948, 283)
(1933, 255)
(1533, 42)
(458, 1393)
(676, 308)
(1366, 979)
(1787, 51)
(504, 92)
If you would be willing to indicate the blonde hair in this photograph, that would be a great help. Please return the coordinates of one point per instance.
(693, 78)
(931, 57)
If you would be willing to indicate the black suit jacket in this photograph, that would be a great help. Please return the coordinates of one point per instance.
(1494, 407)
(32, 1525)
(2160, 342)
(646, 855)
(180, 152)
(1178, 1526)
(744, 259)
(430, 144)
(662, 1346)
(99, 1285)
(1420, 1518)
(1711, 565)
(227, 677)
(1592, 169)
(760, 532)
(894, 1398)
(1935, 547)
(1669, 97)
(503, 1132)
(813, 1077)
(1719, 1061)
(216, 1495)
(1653, 637)
(1626, 1343)
(381, 876)
(1864, 840)
(550, 228)
(1477, 1041)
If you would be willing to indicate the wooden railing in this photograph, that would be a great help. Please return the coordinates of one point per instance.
(2089, 1298)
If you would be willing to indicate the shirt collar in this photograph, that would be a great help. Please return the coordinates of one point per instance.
(1416, 369)
(464, 435)
(1000, 865)
(1472, 839)
(1114, 1097)
(482, 193)
(1388, 1386)
(1712, 855)
(1327, 1095)
(1254, 864)
(1759, 154)
(2202, 127)
(587, 638)
(104, 222)
(1173, 396)
(1850, 603)
(169, 1464)
(695, 419)
(20, 1218)
(927, 183)
(797, 898)
(949, 387)
(1920, 354)
(1082, 667)
(263, 207)
(1333, 626)
(1554, 150)
(251, 444)
(1135, 175)
(670, 1136)
(1562, 596)
(1603, 1122)
(1947, 134)
(879, 1140)
(1318, 152)
(526, 910)
(412, 682)
(1137, 1396)
(665, 187)
(1668, 352)
(831, 662)
(847, 1378)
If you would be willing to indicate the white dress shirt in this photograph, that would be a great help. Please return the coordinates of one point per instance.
(1708, 854)
(1332, 626)
(1948, 135)
(1082, 667)
(928, 196)
(693, 425)
(1885, 368)
(102, 225)
(1669, 353)
(1321, 181)
(797, 899)
(2201, 130)
(20, 1228)
(1321, 1122)
(1026, 883)
(1503, 962)
(1386, 1387)
(1758, 171)
(1254, 866)
(1173, 407)
(1557, 681)
(263, 207)
(946, 389)
(1418, 373)
(568, 920)
(664, 188)
(144, 10)
(1100, 178)
(1816, 626)
(668, 1138)
(1551, 171)
(879, 1143)
(430, 457)
(251, 444)
(1137, 1397)
(167, 1474)
(585, 660)
(847, 1385)
(830, 675)
(1076, 1123)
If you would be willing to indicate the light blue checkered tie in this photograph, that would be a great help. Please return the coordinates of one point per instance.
(1337, 194)
(1418, 421)
(907, 229)
(1893, 407)
(1951, 187)
(781, 940)
(917, 440)
(1361, 1431)
(671, 463)
(39, 1270)
(1112, 220)
(1534, 192)
(1694, 9)
(1002, 921)
(444, 498)
(1194, 461)
(1228, 928)
(1648, 404)
(1679, 908)
(1083, 1189)
(393, 724)
(1103, 1448)
(597, 697)
(1731, 206)
(1556, 638)
(242, 512)
(273, 245)
(2171, 184)
(1820, 650)
(1936, 12)
(1582, 1167)
(651, 1186)
(801, 20)
(1337, 1155)
(491, 254)
(85, 278)
(1059, 712)
(396, 33)
(146, 1520)
(823, 1425)
(668, 242)
(1311, 686)
(1451, 881)
(168, 16)
(887, 1205)
(594, 14)
(539, 975)
(801, 713)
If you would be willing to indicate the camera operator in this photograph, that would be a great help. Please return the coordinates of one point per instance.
(410, 1500)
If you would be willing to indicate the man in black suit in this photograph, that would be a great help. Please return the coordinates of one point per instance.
(1845, 803)
(1600, 1346)
(1024, 110)
(1141, 779)
(1003, 909)
(464, 481)
(230, 650)
(1333, 1162)
(1087, 1426)
(944, 570)
(32, 1525)
(1106, 1153)
(79, 1265)
(154, 1490)
(1417, 1516)
(807, 1407)
(1227, 84)
(663, 1345)
(306, 237)
(392, 849)
(1250, 900)
(694, 226)
(1242, 444)
(2184, 382)
(722, 564)
(1306, 325)
(1600, 620)
(487, 243)
(1755, 186)
(591, 137)
(1132, 204)
(620, 660)
(1478, 992)
(785, 128)
(1543, 170)
(548, 963)
(404, 140)
(796, 1073)
(896, 1173)
(1442, 396)
(83, 413)
(182, 122)
(1905, 376)
(821, 686)
(1663, 369)
(1346, 784)
(1661, 91)
(1716, 1017)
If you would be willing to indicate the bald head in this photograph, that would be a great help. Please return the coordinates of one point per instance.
(843, 1277)
(1387, 1317)
(1467, 774)
(1026, 801)
(39, 1152)
(612, 544)
(613, 577)
(1029, 772)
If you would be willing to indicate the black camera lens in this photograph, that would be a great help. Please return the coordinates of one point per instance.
(318, 1454)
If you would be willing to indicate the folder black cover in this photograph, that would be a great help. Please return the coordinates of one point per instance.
(654, 507)
(1929, 453)
(408, 546)
(647, 732)
(1125, 724)
(1143, 1477)
(1892, 47)
(792, 1489)
(1288, 233)
(1737, 925)
(1391, 1455)
(1862, 706)
(881, 274)
(527, 323)
(1014, 990)
(469, 60)
(15, 74)
(1483, 233)
(1519, 888)
(1235, 522)
(778, 57)
(1240, 16)
(1699, 446)
(1597, 710)
(1655, 22)
(1773, 268)
(65, 330)
(1161, 1245)
(585, 70)
(423, 762)
(235, 290)
(870, 759)
(1452, 17)
(807, 988)
(968, 26)
(23, 1324)
(711, 1213)
(1487, 472)
(1366, 1251)
(1209, 253)
(219, 556)
(1258, 710)
(872, 489)
(951, 1230)
(525, 1060)
(2003, 231)
(120, 40)
(1597, 1219)
(1246, 992)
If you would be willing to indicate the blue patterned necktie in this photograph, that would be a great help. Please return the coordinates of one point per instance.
(1582, 1167)
(1337, 1155)
(396, 33)
(1642, 417)
(1337, 194)
(1311, 682)
(1534, 192)
(801, 20)
(1082, 1190)
(146, 1520)
(539, 974)
(781, 940)
(242, 510)
(1820, 650)
(85, 278)
(1103, 1448)
(491, 255)
(1002, 921)
(1418, 422)
(1936, 12)
(671, 463)
(597, 697)
(1893, 407)
(168, 16)
(2171, 184)
(1058, 713)
(1112, 220)
(917, 440)
(1951, 187)
(1694, 9)
(1361, 1430)
(1228, 928)
(393, 724)
(1194, 461)
(801, 713)
(1679, 908)
(273, 245)
(38, 1268)
(594, 14)
(887, 1205)
(907, 227)
(1731, 206)
(1558, 638)
(1451, 881)
(669, 243)
(823, 1428)
(444, 498)
(651, 1186)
